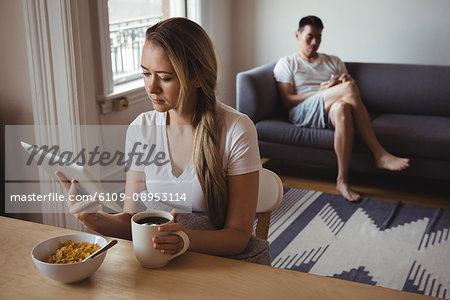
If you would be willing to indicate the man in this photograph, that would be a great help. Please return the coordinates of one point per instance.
(319, 93)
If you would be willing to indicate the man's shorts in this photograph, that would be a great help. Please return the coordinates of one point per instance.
(310, 113)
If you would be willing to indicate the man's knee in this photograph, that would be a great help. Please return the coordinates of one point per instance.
(342, 107)
(340, 111)
(349, 89)
(345, 92)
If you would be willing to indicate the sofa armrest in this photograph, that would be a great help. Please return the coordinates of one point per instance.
(256, 91)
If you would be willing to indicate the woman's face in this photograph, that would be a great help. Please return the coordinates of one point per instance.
(161, 82)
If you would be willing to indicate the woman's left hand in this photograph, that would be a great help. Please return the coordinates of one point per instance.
(171, 243)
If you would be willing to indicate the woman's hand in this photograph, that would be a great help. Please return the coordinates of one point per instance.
(171, 243)
(84, 210)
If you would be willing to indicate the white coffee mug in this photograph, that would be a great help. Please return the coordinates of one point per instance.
(143, 234)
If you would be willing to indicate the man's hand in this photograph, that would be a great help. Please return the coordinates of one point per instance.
(335, 81)
(327, 84)
(344, 77)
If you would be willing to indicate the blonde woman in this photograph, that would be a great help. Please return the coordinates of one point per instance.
(180, 73)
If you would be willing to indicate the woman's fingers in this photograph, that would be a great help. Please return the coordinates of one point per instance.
(82, 205)
(63, 180)
(169, 244)
(174, 213)
(171, 227)
(73, 187)
(166, 239)
(88, 205)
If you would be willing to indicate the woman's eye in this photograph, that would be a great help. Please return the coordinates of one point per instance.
(164, 79)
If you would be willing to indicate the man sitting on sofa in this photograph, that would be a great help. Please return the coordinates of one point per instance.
(319, 93)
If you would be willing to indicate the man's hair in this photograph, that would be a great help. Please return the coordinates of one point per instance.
(310, 20)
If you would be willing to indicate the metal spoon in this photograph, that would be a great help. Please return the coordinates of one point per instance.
(101, 250)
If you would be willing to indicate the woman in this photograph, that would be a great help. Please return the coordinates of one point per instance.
(180, 74)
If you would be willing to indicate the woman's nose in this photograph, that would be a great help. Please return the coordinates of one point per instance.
(153, 86)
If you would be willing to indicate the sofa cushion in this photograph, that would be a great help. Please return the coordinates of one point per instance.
(407, 135)
(420, 136)
(282, 131)
(403, 89)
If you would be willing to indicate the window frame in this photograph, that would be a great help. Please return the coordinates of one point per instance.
(133, 90)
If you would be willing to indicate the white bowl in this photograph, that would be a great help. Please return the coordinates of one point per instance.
(67, 273)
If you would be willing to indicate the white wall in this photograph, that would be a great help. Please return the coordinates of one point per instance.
(391, 31)
(216, 19)
(248, 33)
(15, 94)
(388, 31)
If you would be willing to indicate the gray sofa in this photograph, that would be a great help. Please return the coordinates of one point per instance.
(409, 107)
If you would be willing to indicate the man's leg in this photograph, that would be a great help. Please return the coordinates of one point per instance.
(341, 117)
(348, 92)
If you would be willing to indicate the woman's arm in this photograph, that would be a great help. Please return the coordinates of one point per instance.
(243, 198)
(115, 225)
(119, 225)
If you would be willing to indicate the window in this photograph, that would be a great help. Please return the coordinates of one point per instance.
(128, 22)
(121, 31)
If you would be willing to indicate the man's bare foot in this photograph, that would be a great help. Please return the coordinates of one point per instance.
(391, 162)
(347, 192)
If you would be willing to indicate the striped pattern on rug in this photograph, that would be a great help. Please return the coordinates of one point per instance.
(389, 244)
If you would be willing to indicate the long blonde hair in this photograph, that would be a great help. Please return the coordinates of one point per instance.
(192, 55)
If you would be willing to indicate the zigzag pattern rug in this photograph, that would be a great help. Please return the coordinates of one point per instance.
(394, 245)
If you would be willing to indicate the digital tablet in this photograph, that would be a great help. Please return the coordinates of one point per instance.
(86, 183)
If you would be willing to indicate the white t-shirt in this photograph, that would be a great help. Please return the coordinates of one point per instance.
(240, 152)
(305, 76)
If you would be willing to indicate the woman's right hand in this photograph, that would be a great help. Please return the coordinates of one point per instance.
(84, 210)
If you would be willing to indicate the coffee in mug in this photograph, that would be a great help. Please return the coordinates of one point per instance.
(153, 221)
(144, 226)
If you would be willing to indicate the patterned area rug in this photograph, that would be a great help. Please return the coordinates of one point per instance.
(394, 245)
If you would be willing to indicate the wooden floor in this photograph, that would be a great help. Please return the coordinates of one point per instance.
(432, 193)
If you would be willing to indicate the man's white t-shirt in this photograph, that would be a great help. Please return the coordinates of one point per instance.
(240, 152)
(306, 77)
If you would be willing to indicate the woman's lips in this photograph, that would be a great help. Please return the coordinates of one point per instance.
(156, 101)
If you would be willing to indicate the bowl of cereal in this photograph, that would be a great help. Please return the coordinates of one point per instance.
(61, 258)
